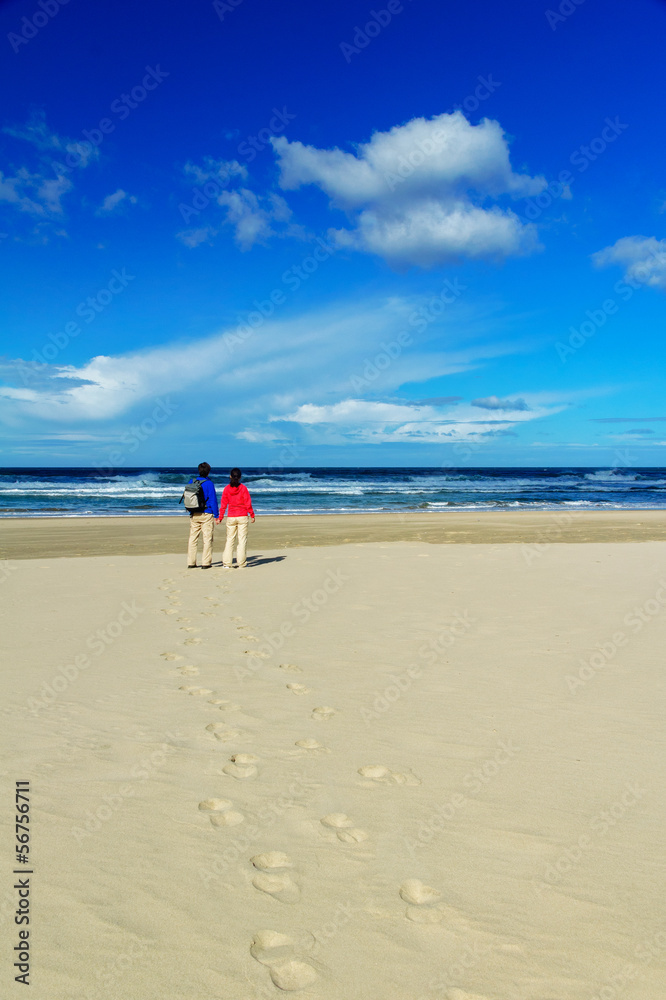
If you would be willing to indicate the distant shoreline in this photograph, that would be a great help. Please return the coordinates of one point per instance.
(74, 536)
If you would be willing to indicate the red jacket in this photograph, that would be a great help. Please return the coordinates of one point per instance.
(238, 500)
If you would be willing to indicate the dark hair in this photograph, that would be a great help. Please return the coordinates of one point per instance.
(235, 476)
(204, 468)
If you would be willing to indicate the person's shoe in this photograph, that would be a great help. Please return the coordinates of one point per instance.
(206, 567)
(193, 566)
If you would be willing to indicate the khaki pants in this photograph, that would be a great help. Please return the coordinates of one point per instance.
(236, 527)
(201, 524)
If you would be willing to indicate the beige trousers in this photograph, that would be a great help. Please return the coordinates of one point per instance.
(236, 528)
(201, 524)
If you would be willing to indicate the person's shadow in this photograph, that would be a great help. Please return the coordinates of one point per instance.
(253, 561)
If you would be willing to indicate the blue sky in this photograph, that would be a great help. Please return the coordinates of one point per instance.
(413, 233)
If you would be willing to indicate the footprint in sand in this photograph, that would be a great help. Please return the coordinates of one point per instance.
(225, 706)
(171, 656)
(298, 688)
(379, 774)
(344, 828)
(313, 746)
(273, 876)
(322, 713)
(220, 812)
(169, 611)
(456, 994)
(191, 642)
(208, 614)
(234, 618)
(195, 690)
(189, 671)
(223, 734)
(276, 951)
(242, 766)
(291, 667)
(261, 656)
(189, 628)
(249, 638)
(183, 619)
(422, 901)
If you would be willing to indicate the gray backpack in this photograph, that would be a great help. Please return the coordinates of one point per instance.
(193, 497)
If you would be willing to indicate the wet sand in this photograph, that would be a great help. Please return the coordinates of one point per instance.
(28, 538)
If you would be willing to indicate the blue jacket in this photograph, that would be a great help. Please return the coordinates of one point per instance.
(210, 495)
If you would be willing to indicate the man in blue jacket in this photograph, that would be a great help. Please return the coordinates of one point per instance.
(203, 521)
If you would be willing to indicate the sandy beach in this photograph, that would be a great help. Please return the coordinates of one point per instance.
(367, 766)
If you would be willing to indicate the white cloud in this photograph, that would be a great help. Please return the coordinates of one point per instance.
(253, 217)
(494, 403)
(220, 171)
(418, 192)
(310, 357)
(643, 258)
(251, 220)
(371, 422)
(35, 194)
(112, 201)
(193, 237)
(37, 133)
(40, 191)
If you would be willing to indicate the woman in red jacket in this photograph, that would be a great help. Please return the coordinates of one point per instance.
(235, 496)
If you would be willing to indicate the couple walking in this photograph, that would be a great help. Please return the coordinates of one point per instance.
(236, 497)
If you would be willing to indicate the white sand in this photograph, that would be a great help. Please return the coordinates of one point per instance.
(487, 832)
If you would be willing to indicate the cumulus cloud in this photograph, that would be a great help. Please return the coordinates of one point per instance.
(34, 193)
(642, 257)
(418, 194)
(254, 218)
(37, 133)
(38, 191)
(112, 201)
(494, 403)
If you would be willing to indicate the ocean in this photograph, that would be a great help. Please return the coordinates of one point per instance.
(44, 492)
